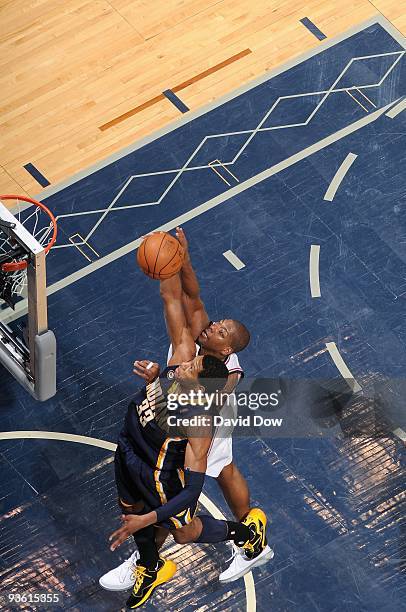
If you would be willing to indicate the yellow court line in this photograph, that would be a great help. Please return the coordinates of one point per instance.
(218, 173)
(225, 168)
(339, 177)
(366, 97)
(78, 245)
(357, 101)
(66, 437)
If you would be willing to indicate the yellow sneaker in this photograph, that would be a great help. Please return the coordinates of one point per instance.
(256, 523)
(146, 580)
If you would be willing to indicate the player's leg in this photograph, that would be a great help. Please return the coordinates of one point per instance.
(122, 577)
(144, 570)
(151, 570)
(148, 555)
(161, 535)
(235, 490)
(248, 535)
(220, 465)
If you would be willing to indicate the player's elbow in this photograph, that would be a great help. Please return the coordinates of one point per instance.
(195, 303)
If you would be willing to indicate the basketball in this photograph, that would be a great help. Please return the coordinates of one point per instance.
(160, 256)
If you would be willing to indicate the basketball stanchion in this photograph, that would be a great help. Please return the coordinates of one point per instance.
(27, 234)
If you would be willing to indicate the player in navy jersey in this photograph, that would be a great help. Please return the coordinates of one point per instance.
(151, 452)
(221, 339)
(160, 475)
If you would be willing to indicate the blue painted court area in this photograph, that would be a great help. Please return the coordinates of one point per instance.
(336, 501)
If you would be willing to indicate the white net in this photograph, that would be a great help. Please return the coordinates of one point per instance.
(38, 223)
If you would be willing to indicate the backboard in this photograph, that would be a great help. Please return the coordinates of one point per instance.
(26, 234)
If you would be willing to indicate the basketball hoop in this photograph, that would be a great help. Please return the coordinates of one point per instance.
(40, 223)
(27, 234)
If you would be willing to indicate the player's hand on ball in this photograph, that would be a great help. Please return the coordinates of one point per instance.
(131, 524)
(180, 235)
(146, 369)
(160, 255)
(144, 236)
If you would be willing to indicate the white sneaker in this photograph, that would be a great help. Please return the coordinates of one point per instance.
(241, 565)
(122, 577)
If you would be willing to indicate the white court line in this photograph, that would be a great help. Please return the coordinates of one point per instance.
(339, 176)
(342, 366)
(395, 110)
(234, 260)
(357, 101)
(400, 433)
(314, 270)
(111, 208)
(366, 97)
(326, 44)
(8, 315)
(203, 499)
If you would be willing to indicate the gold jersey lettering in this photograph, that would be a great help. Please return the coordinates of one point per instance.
(147, 409)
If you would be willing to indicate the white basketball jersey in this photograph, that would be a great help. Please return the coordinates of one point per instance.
(232, 362)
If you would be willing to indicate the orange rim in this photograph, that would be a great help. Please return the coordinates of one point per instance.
(15, 266)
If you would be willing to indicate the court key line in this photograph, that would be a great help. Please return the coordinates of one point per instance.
(377, 19)
(67, 437)
(339, 176)
(9, 315)
(251, 134)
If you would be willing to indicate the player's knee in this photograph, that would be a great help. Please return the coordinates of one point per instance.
(180, 537)
(188, 533)
(227, 473)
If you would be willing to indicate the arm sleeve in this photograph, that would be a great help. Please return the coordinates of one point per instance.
(187, 498)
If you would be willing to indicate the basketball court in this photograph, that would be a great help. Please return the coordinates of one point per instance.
(287, 173)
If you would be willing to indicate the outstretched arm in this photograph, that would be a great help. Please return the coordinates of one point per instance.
(178, 329)
(194, 308)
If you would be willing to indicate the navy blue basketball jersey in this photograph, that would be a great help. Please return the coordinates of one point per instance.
(146, 428)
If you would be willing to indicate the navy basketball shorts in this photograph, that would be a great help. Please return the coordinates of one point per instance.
(137, 482)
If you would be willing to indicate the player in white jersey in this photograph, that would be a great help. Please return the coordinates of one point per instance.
(223, 339)
(221, 450)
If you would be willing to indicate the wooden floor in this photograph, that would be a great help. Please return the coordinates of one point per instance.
(71, 68)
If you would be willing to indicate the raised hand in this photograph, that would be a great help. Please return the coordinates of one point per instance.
(146, 370)
(180, 235)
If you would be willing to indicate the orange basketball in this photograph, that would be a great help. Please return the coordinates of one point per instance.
(160, 256)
